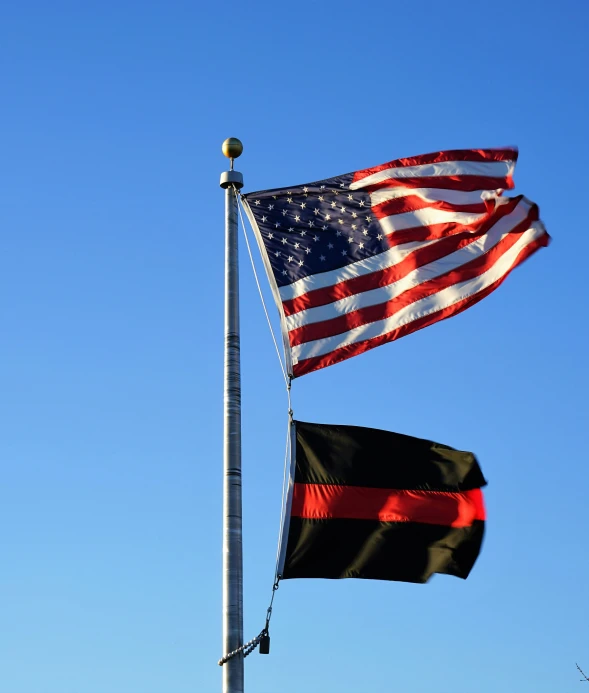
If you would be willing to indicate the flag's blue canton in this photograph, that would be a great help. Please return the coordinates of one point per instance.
(315, 228)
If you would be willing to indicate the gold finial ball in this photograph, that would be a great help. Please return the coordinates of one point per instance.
(232, 147)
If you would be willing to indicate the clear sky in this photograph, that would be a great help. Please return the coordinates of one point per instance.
(111, 265)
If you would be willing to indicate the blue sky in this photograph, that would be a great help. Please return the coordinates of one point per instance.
(112, 117)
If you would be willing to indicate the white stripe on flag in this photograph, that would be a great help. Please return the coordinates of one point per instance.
(454, 197)
(487, 169)
(427, 217)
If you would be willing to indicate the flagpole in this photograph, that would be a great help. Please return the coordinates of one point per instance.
(232, 181)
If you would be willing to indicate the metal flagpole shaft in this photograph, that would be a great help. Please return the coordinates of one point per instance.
(232, 540)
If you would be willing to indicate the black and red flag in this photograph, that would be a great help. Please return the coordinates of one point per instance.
(367, 503)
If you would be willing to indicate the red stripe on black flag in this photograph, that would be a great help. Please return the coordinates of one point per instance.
(368, 503)
(328, 501)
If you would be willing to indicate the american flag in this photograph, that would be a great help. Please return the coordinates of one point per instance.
(364, 258)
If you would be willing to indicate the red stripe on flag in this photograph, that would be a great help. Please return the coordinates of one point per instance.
(325, 501)
(411, 203)
(508, 154)
(317, 362)
(464, 183)
(416, 234)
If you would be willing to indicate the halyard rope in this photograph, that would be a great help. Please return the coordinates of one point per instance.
(249, 250)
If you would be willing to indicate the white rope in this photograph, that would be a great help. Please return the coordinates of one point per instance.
(288, 384)
(249, 250)
(284, 486)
